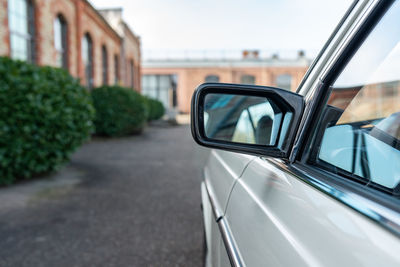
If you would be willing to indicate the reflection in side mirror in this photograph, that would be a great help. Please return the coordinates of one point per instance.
(250, 119)
(241, 119)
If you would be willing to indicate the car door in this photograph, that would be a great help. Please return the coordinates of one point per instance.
(220, 173)
(337, 202)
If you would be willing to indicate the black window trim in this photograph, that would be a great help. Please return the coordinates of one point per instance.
(320, 100)
(376, 205)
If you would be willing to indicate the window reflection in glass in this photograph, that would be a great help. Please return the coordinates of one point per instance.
(363, 139)
(22, 32)
(60, 41)
(87, 57)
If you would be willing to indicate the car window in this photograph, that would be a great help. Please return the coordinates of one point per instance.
(360, 126)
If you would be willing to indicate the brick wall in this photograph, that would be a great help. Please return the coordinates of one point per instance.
(81, 18)
(189, 78)
(132, 54)
(4, 33)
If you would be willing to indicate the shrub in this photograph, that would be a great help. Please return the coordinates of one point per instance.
(119, 111)
(44, 116)
(155, 108)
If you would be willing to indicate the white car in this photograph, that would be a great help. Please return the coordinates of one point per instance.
(309, 178)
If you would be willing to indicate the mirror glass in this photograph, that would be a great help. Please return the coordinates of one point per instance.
(241, 119)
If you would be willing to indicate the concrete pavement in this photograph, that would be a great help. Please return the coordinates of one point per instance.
(132, 201)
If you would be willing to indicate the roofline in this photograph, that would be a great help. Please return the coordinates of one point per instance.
(111, 9)
(225, 63)
(130, 31)
(102, 18)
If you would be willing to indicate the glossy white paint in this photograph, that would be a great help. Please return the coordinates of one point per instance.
(220, 173)
(208, 220)
(278, 220)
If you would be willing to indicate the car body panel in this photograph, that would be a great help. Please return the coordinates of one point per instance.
(221, 172)
(278, 220)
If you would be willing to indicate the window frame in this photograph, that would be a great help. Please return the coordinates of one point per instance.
(281, 85)
(64, 40)
(213, 76)
(311, 156)
(373, 204)
(30, 37)
(243, 78)
(132, 73)
(116, 69)
(89, 65)
(104, 64)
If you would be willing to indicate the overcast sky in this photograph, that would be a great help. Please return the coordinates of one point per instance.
(231, 24)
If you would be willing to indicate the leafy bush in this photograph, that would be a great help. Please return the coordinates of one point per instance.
(44, 116)
(119, 111)
(155, 108)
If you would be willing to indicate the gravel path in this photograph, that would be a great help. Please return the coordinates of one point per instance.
(131, 201)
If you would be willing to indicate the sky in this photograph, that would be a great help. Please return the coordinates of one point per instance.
(280, 25)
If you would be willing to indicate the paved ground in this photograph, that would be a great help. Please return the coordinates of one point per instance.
(125, 202)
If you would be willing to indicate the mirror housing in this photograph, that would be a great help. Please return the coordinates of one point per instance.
(290, 105)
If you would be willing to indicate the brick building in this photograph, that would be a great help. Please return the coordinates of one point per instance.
(73, 35)
(173, 80)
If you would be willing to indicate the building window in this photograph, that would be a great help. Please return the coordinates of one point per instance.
(116, 69)
(60, 41)
(132, 73)
(247, 79)
(87, 57)
(284, 81)
(212, 79)
(161, 87)
(21, 15)
(104, 60)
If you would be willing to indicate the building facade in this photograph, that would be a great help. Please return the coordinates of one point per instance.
(70, 34)
(173, 81)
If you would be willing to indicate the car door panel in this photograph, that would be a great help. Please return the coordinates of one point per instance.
(220, 173)
(278, 220)
(219, 178)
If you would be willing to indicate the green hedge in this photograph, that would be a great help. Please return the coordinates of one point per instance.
(44, 116)
(155, 108)
(119, 111)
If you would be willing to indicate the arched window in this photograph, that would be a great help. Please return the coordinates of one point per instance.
(132, 66)
(87, 58)
(247, 79)
(21, 15)
(116, 69)
(60, 41)
(104, 60)
(284, 81)
(212, 79)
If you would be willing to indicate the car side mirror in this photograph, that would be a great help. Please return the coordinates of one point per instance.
(247, 119)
